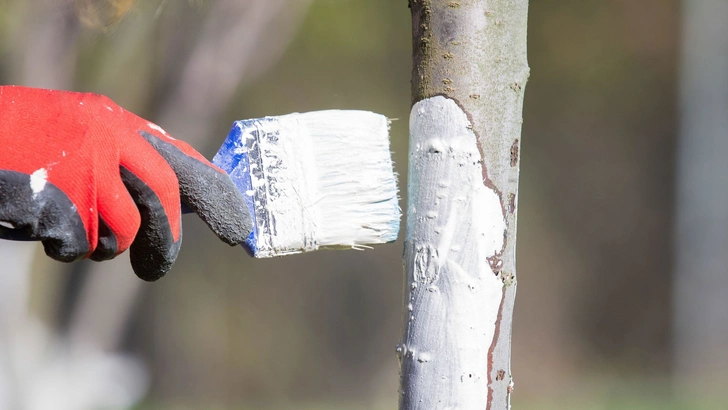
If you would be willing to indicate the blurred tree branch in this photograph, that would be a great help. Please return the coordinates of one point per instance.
(219, 59)
(238, 41)
(701, 240)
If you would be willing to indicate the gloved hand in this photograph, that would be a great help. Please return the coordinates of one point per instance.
(89, 179)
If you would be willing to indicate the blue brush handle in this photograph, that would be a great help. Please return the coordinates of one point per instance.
(232, 157)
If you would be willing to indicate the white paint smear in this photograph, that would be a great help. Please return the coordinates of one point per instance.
(38, 180)
(455, 223)
(157, 128)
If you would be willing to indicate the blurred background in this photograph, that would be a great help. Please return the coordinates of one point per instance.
(603, 319)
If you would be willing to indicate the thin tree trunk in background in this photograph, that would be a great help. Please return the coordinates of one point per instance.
(211, 76)
(48, 39)
(701, 240)
(469, 75)
(17, 259)
(238, 42)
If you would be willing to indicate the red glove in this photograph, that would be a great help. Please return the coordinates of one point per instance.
(89, 179)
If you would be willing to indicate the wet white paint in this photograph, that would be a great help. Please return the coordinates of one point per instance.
(157, 128)
(455, 223)
(38, 180)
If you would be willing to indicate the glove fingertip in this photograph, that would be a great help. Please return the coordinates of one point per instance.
(224, 216)
(107, 247)
(151, 263)
(154, 249)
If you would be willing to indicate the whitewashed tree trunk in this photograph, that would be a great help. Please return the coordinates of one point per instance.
(701, 240)
(470, 70)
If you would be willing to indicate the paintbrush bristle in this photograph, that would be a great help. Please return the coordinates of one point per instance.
(316, 180)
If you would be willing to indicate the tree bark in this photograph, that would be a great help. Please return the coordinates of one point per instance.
(469, 74)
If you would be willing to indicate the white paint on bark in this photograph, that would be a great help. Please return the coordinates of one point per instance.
(455, 223)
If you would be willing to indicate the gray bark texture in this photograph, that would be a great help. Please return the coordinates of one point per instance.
(469, 64)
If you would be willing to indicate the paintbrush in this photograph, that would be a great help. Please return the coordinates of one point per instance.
(315, 180)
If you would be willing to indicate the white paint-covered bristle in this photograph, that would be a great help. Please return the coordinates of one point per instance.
(327, 181)
(356, 186)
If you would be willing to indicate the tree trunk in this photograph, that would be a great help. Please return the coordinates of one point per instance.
(469, 75)
(701, 240)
